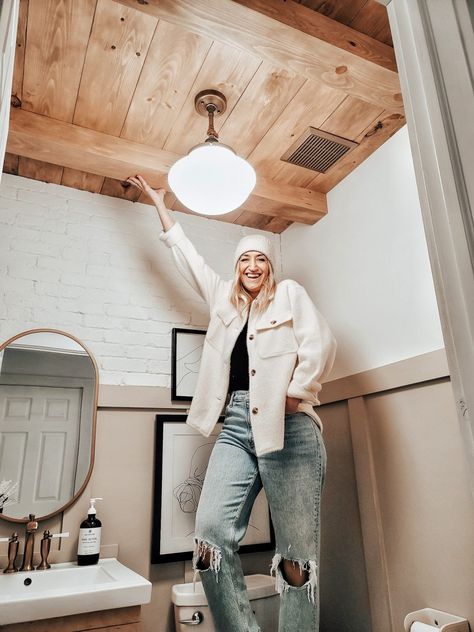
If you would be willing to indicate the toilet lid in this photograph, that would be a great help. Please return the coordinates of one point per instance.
(258, 587)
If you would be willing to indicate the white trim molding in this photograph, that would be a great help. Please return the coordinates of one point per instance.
(370, 517)
(434, 46)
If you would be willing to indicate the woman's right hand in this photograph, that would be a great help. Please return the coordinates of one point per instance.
(140, 182)
(157, 196)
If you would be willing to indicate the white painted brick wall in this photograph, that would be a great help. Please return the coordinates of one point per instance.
(94, 266)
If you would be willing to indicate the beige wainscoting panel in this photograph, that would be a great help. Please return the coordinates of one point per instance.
(426, 508)
(123, 477)
(369, 507)
(158, 615)
(413, 488)
(344, 595)
(157, 398)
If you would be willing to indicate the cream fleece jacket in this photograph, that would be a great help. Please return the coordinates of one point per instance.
(290, 346)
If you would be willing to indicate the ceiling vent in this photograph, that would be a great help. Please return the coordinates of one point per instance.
(317, 150)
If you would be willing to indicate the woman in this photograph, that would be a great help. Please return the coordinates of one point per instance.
(268, 347)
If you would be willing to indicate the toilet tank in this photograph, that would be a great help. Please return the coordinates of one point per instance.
(191, 606)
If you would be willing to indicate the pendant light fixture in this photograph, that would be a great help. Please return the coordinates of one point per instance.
(211, 179)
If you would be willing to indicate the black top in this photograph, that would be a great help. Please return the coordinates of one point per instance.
(239, 364)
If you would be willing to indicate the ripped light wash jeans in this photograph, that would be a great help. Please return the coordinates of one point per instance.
(292, 479)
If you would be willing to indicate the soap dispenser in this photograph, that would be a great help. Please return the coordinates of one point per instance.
(88, 549)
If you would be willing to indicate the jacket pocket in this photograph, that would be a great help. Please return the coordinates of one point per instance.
(276, 337)
(217, 332)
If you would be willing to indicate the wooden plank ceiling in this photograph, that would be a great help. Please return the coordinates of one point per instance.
(104, 89)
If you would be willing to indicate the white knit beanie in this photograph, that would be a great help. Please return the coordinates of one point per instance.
(259, 243)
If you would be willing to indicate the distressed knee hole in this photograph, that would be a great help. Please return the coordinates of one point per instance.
(294, 574)
(203, 563)
(206, 557)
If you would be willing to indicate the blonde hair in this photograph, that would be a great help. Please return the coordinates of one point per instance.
(241, 299)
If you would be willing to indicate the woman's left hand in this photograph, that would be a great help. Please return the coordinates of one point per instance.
(291, 406)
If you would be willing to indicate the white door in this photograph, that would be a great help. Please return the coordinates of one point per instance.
(39, 436)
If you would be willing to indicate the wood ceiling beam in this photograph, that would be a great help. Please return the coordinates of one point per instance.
(318, 58)
(68, 145)
(311, 22)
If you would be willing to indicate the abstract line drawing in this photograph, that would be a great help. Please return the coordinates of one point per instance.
(186, 352)
(187, 368)
(182, 456)
(188, 492)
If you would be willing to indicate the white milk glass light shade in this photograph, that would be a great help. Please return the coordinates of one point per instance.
(212, 179)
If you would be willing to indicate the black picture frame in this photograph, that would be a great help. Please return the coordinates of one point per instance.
(160, 543)
(183, 380)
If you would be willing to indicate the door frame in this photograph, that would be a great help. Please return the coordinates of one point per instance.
(434, 47)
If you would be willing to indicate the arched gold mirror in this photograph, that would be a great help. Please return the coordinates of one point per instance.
(48, 403)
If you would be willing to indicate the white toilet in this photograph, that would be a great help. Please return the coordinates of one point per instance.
(190, 607)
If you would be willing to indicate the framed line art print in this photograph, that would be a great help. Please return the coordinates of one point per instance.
(181, 459)
(186, 351)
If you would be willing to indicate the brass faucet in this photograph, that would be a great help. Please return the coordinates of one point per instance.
(45, 549)
(12, 553)
(31, 528)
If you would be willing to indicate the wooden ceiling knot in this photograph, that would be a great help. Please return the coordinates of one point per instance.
(375, 129)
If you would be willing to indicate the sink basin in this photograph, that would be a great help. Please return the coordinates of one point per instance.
(67, 589)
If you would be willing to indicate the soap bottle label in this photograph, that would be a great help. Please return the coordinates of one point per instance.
(89, 541)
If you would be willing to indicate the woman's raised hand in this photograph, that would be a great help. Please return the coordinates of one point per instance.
(142, 184)
(158, 198)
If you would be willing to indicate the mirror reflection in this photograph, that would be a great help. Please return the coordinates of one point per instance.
(47, 423)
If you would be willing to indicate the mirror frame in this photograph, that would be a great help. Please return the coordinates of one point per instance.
(79, 493)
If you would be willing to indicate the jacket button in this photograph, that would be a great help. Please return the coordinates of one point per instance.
(273, 322)
(252, 372)
(254, 410)
(251, 337)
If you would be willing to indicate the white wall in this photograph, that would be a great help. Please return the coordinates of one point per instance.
(366, 264)
(94, 266)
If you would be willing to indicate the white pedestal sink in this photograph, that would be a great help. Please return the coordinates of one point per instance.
(67, 589)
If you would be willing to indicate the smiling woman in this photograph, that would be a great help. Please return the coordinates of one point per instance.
(253, 271)
(266, 352)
